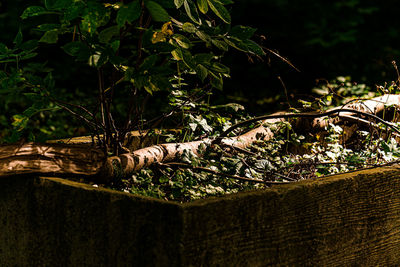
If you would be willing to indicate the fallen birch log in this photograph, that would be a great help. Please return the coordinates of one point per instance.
(64, 160)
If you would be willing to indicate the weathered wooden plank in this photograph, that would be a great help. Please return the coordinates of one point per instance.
(50, 159)
(343, 220)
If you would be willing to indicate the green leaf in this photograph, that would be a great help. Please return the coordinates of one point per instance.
(178, 3)
(48, 27)
(148, 62)
(220, 44)
(203, 6)
(220, 10)
(49, 81)
(166, 3)
(28, 56)
(20, 122)
(57, 4)
(77, 49)
(216, 81)
(18, 38)
(189, 27)
(94, 16)
(242, 32)
(115, 45)
(202, 72)
(108, 33)
(253, 47)
(225, 2)
(203, 36)
(33, 11)
(50, 37)
(191, 11)
(182, 41)
(73, 11)
(218, 67)
(29, 45)
(203, 57)
(103, 59)
(129, 13)
(157, 12)
(3, 49)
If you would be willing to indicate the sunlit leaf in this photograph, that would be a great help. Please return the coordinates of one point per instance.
(182, 41)
(178, 3)
(191, 11)
(203, 6)
(220, 10)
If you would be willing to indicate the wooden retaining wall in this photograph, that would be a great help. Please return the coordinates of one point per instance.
(343, 220)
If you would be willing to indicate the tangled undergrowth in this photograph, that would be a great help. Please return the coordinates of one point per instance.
(290, 156)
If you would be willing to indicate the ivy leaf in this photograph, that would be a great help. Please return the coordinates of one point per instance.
(129, 13)
(33, 11)
(203, 6)
(191, 11)
(157, 12)
(220, 10)
(178, 3)
(50, 37)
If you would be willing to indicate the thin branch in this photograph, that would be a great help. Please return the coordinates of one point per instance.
(281, 57)
(306, 115)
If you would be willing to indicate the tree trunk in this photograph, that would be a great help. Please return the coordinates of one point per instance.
(63, 159)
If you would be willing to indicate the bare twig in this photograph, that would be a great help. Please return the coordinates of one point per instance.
(307, 115)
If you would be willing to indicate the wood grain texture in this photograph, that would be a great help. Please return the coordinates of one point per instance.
(50, 159)
(343, 220)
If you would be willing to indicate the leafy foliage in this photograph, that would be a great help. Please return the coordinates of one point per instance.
(135, 49)
(289, 156)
